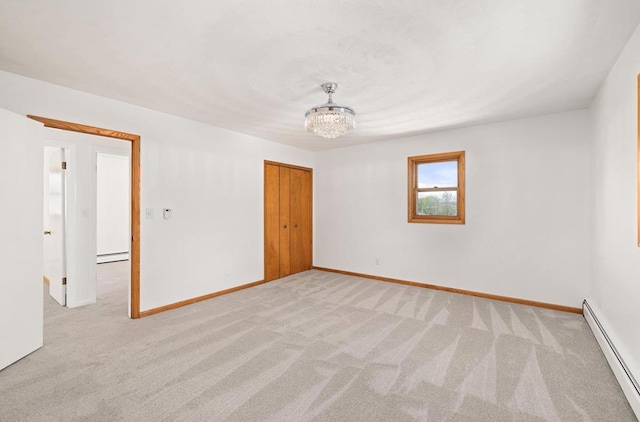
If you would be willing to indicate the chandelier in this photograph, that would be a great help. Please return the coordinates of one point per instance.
(329, 120)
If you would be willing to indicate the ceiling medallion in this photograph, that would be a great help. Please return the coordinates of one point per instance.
(330, 120)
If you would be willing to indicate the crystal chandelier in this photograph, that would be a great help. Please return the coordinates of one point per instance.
(330, 120)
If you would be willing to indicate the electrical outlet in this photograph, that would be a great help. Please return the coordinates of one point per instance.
(377, 261)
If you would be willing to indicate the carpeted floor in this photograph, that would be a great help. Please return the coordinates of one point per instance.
(314, 346)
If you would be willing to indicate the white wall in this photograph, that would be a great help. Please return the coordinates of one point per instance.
(615, 286)
(212, 179)
(526, 231)
(113, 204)
(20, 237)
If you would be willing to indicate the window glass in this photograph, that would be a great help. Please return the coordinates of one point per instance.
(437, 203)
(433, 175)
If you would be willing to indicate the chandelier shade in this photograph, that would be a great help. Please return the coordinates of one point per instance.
(330, 120)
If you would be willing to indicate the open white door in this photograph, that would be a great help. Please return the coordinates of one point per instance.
(54, 213)
(20, 237)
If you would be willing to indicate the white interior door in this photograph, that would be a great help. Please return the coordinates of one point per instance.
(54, 213)
(20, 237)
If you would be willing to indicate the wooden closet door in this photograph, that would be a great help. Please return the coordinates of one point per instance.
(271, 222)
(285, 230)
(300, 220)
(287, 220)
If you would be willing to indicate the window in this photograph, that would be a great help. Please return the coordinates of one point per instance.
(436, 188)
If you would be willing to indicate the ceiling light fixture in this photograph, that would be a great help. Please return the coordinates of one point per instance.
(330, 120)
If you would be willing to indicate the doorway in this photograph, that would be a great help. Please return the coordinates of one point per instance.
(112, 207)
(134, 308)
(113, 235)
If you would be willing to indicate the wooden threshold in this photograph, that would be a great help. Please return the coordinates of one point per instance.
(459, 291)
(198, 299)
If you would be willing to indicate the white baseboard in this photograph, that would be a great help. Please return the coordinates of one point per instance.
(112, 257)
(623, 374)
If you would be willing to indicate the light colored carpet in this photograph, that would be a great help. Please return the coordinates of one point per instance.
(314, 346)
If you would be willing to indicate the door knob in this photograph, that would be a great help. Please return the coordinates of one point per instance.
(47, 232)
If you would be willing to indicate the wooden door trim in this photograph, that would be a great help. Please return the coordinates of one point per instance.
(291, 166)
(135, 193)
(264, 207)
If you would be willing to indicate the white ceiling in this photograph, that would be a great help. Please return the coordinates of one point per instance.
(252, 66)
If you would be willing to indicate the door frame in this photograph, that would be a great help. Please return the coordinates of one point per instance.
(264, 207)
(135, 193)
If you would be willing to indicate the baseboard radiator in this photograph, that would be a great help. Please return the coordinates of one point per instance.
(112, 257)
(625, 377)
